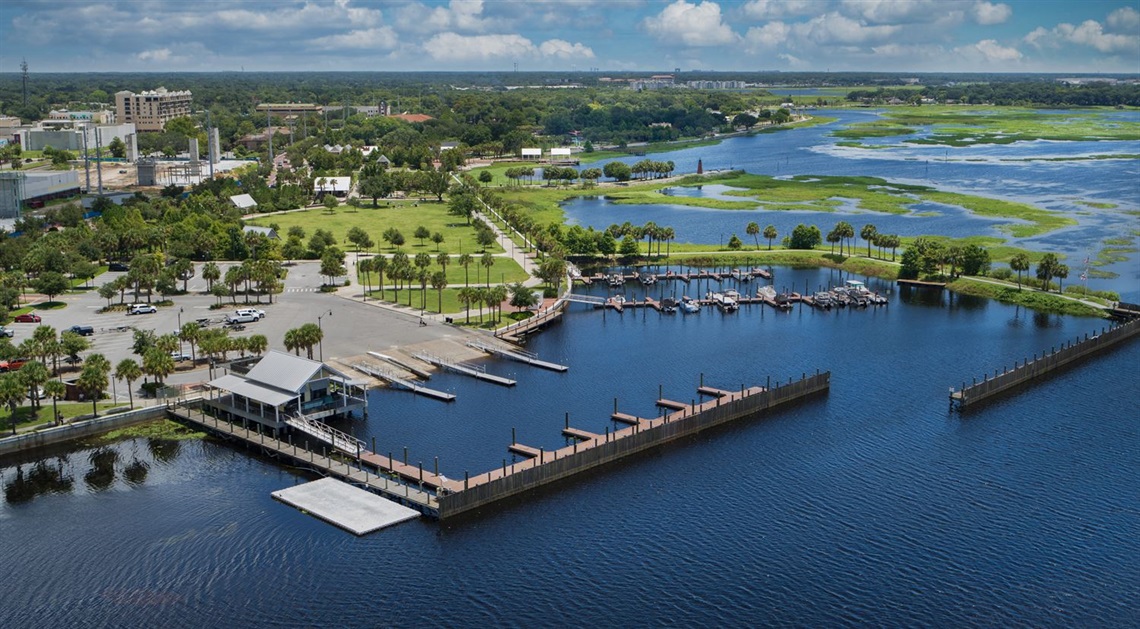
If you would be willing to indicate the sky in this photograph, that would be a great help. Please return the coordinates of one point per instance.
(1067, 36)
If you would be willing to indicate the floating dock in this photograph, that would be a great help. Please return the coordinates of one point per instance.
(1029, 370)
(412, 369)
(477, 373)
(401, 383)
(357, 511)
(519, 355)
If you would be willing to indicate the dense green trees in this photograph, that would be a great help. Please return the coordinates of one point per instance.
(804, 237)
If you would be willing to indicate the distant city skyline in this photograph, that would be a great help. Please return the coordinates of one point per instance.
(1091, 36)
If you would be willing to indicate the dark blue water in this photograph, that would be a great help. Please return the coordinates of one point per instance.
(989, 170)
(870, 506)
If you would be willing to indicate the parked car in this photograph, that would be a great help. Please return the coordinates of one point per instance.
(82, 330)
(118, 266)
(12, 365)
(179, 356)
(241, 317)
(260, 314)
(6, 332)
(142, 309)
(28, 317)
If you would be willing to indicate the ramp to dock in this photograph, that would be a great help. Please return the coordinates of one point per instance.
(355, 510)
(519, 355)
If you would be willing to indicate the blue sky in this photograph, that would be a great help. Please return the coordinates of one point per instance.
(814, 35)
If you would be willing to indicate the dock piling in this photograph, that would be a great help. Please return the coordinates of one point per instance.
(436, 466)
(513, 440)
(405, 455)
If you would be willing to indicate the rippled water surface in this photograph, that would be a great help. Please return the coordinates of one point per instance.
(871, 505)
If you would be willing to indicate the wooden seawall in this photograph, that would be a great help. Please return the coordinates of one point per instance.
(1024, 373)
(589, 453)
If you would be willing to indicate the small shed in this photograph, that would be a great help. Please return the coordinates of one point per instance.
(243, 202)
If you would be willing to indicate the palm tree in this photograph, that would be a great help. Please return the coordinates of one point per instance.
(310, 335)
(257, 344)
(211, 273)
(92, 382)
(439, 282)
(868, 233)
(292, 341)
(770, 233)
(189, 333)
(128, 371)
(487, 261)
(467, 297)
(497, 295)
(753, 229)
(380, 264)
(1019, 263)
(56, 390)
(12, 392)
(443, 260)
(465, 261)
(668, 234)
(424, 277)
(157, 363)
(32, 375)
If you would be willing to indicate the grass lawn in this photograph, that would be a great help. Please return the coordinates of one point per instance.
(505, 270)
(41, 417)
(451, 304)
(1030, 298)
(404, 216)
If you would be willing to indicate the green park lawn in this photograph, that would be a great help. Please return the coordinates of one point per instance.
(431, 301)
(406, 216)
(27, 417)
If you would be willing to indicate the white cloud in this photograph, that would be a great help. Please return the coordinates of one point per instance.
(987, 13)
(690, 24)
(767, 37)
(456, 47)
(157, 54)
(989, 51)
(835, 29)
(1089, 33)
(775, 9)
(563, 49)
(893, 11)
(1124, 19)
(382, 38)
(458, 15)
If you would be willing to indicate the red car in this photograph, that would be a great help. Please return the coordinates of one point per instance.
(12, 365)
(28, 317)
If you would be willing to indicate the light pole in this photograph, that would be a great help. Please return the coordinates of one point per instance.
(179, 330)
(321, 341)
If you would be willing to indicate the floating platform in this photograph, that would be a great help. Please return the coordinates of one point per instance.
(517, 355)
(477, 373)
(355, 510)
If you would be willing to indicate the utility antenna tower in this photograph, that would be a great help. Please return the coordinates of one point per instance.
(24, 78)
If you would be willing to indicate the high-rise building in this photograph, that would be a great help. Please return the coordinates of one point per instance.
(151, 109)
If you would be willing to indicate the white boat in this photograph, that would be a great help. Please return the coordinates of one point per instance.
(766, 292)
(648, 279)
(724, 301)
(741, 276)
(690, 305)
(615, 279)
(822, 299)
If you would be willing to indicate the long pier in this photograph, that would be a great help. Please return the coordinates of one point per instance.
(517, 332)
(591, 450)
(1028, 370)
(740, 275)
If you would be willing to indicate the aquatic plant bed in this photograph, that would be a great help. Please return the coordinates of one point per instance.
(954, 126)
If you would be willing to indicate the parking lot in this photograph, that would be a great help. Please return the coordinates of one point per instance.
(350, 327)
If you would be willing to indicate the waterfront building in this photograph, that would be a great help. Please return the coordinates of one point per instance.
(283, 387)
(150, 110)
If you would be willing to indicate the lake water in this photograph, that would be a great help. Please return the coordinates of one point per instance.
(985, 170)
(872, 505)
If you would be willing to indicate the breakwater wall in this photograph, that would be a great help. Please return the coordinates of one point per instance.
(472, 493)
(80, 429)
(1023, 373)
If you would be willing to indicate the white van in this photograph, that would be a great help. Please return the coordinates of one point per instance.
(239, 317)
(251, 311)
(142, 309)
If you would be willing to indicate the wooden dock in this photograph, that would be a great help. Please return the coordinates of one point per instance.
(1029, 370)
(401, 383)
(590, 450)
(517, 332)
(341, 466)
(702, 274)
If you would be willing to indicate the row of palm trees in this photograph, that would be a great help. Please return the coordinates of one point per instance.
(305, 337)
(491, 296)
